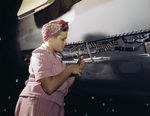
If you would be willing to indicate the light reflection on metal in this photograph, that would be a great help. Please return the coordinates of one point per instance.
(29, 7)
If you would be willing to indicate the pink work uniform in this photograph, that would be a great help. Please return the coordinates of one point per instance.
(33, 101)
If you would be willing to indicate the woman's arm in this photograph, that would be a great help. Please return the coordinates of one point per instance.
(50, 84)
(71, 81)
(82, 65)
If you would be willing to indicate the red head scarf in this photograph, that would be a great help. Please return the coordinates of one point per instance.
(51, 28)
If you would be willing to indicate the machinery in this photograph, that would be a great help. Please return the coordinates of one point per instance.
(118, 64)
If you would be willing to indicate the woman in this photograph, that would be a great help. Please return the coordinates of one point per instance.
(49, 78)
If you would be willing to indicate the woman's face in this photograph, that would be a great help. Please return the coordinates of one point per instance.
(60, 42)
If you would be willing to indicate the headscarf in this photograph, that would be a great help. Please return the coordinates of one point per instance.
(51, 28)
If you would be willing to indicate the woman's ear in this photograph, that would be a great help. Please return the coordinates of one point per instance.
(48, 41)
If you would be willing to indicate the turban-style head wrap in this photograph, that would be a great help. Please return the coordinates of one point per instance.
(51, 28)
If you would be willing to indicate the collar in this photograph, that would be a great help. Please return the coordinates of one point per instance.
(47, 49)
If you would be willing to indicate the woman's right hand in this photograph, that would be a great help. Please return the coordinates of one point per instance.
(75, 69)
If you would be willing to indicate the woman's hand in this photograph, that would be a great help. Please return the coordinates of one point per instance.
(82, 62)
(76, 69)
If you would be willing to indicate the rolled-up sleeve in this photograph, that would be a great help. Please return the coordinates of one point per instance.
(42, 65)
